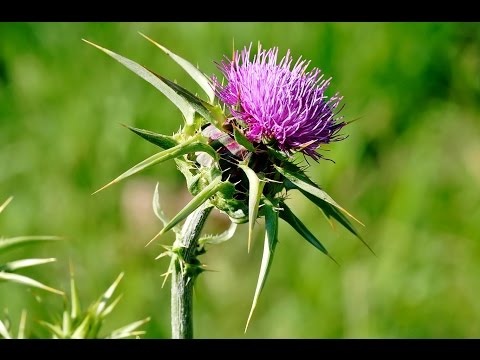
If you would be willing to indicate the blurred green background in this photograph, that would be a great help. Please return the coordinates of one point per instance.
(410, 170)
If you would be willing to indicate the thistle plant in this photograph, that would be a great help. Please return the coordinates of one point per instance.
(237, 150)
(77, 324)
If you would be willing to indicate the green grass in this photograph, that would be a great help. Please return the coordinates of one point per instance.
(409, 170)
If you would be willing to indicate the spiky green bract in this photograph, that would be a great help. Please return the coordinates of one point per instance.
(8, 270)
(75, 324)
(227, 168)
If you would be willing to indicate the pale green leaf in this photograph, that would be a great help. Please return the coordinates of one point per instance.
(187, 147)
(67, 323)
(196, 74)
(129, 330)
(24, 280)
(75, 300)
(54, 329)
(271, 239)
(22, 324)
(11, 243)
(81, 332)
(19, 264)
(186, 109)
(108, 310)
(102, 301)
(255, 190)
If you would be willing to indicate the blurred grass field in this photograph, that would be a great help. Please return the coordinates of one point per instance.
(410, 170)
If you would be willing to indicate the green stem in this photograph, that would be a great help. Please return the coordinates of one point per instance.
(185, 271)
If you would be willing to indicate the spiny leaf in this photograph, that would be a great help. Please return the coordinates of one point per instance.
(196, 74)
(190, 146)
(332, 211)
(301, 181)
(5, 204)
(112, 306)
(19, 264)
(254, 194)
(24, 280)
(208, 111)
(81, 332)
(67, 322)
(102, 301)
(186, 109)
(164, 141)
(21, 325)
(217, 239)
(271, 239)
(76, 309)
(287, 215)
(129, 330)
(55, 329)
(198, 200)
(7, 244)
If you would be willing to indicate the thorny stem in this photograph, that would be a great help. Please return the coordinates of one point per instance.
(185, 271)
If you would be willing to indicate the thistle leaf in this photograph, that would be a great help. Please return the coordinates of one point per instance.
(24, 280)
(271, 239)
(217, 239)
(332, 212)
(254, 194)
(163, 141)
(129, 330)
(186, 109)
(112, 306)
(196, 202)
(81, 332)
(20, 264)
(176, 151)
(211, 113)
(11, 243)
(55, 329)
(5, 204)
(76, 309)
(196, 74)
(101, 303)
(301, 181)
(287, 215)
(21, 325)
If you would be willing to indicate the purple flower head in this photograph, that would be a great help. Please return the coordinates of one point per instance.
(278, 104)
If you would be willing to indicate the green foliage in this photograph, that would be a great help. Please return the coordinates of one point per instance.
(7, 270)
(75, 324)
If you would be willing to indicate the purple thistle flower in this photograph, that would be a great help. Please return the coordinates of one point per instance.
(275, 103)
